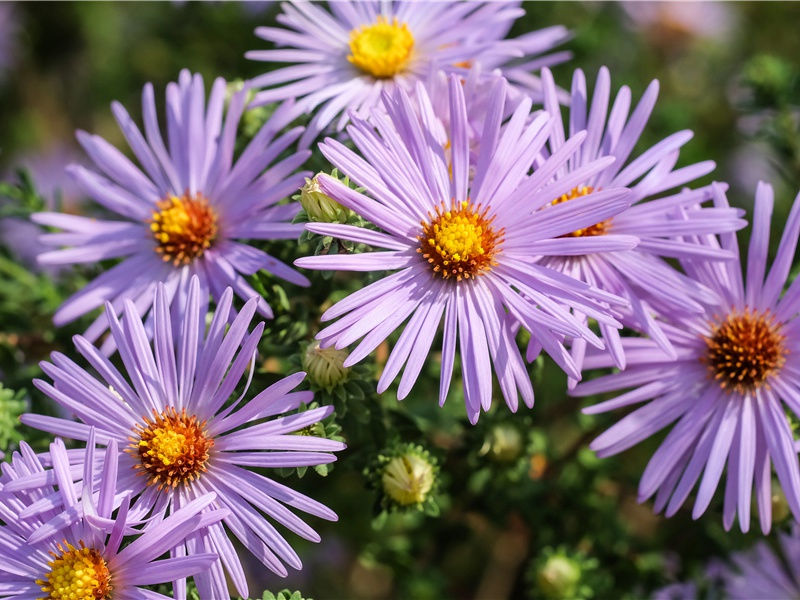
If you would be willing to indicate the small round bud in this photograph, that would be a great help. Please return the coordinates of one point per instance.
(318, 205)
(407, 479)
(325, 366)
(503, 444)
(558, 577)
(780, 506)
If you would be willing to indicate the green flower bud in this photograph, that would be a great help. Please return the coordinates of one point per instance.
(319, 206)
(780, 506)
(408, 479)
(285, 594)
(558, 577)
(325, 366)
(503, 444)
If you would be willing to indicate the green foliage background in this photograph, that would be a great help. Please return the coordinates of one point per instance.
(504, 511)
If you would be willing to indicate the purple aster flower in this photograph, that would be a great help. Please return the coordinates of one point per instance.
(641, 275)
(183, 436)
(76, 551)
(343, 59)
(459, 246)
(183, 208)
(676, 591)
(761, 571)
(735, 367)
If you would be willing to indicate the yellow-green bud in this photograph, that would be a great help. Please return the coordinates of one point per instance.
(325, 366)
(407, 479)
(503, 444)
(318, 205)
(558, 577)
(780, 506)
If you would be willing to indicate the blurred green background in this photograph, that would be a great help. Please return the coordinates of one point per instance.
(516, 492)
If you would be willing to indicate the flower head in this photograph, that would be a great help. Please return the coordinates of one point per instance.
(73, 550)
(181, 435)
(726, 389)
(761, 572)
(343, 59)
(641, 275)
(183, 208)
(461, 252)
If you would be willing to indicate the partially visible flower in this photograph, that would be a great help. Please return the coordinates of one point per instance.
(183, 210)
(641, 275)
(727, 388)
(669, 24)
(459, 247)
(342, 59)
(676, 591)
(761, 572)
(76, 550)
(58, 192)
(318, 205)
(183, 434)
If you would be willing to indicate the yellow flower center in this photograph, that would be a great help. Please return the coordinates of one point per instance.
(382, 49)
(407, 479)
(183, 228)
(76, 574)
(172, 448)
(744, 350)
(596, 229)
(459, 242)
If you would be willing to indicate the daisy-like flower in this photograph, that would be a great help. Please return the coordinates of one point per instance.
(640, 275)
(75, 552)
(183, 208)
(182, 435)
(761, 572)
(343, 59)
(735, 373)
(459, 246)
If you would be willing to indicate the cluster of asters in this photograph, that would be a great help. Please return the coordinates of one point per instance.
(498, 204)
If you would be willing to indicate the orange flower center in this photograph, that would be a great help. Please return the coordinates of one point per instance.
(183, 228)
(744, 350)
(76, 574)
(172, 448)
(578, 192)
(459, 242)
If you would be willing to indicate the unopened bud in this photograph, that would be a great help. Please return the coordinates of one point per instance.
(325, 366)
(558, 577)
(503, 444)
(407, 479)
(318, 205)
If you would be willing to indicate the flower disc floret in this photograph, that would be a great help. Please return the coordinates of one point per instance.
(183, 227)
(459, 242)
(744, 350)
(382, 49)
(578, 192)
(173, 448)
(76, 574)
